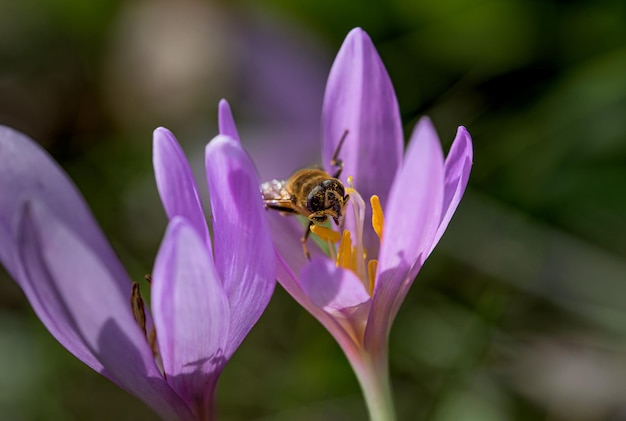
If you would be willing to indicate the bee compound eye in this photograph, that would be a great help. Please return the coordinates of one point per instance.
(315, 200)
(340, 189)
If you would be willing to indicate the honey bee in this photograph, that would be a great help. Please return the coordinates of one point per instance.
(310, 192)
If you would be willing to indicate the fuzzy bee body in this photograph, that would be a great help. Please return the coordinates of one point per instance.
(310, 192)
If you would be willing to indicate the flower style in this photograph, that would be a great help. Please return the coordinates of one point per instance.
(356, 289)
(205, 298)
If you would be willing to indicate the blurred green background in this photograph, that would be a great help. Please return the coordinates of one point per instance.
(520, 313)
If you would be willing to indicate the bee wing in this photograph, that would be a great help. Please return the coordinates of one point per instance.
(275, 190)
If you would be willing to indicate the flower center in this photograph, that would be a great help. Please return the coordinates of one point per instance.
(351, 254)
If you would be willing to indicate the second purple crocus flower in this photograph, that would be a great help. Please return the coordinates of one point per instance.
(206, 296)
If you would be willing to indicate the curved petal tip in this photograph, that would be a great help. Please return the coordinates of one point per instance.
(175, 182)
(161, 131)
(226, 121)
(357, 33)
(425, 127)
(462, 133)
(457, 167)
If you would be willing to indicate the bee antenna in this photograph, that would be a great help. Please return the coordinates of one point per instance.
(339, 145)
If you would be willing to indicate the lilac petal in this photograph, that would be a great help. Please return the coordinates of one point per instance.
(176, 184)
(38, 288)
(87, 295)
(341, 295)
(360, 98)
(291, 283)
(226, 121)
(191, 314)
(457, 170)
(26, 171)
(330, 287)
(411, 221)
(243, 246)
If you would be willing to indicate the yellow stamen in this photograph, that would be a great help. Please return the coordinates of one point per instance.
(325, 234)
(372, 266)
(378, 219)
(344, 255)
(354, 256)
(355, 259)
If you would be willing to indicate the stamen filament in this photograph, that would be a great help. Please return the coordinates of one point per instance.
(358, 207)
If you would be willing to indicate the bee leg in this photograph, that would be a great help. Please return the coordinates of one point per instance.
(281, 209)
(339, 165)
(334, 160)
(303, 240)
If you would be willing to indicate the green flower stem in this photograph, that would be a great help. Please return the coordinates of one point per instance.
(373, 375)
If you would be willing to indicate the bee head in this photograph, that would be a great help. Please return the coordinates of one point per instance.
(327, 199)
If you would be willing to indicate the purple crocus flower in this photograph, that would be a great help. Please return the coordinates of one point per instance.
(356, 289)
(205, 297)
